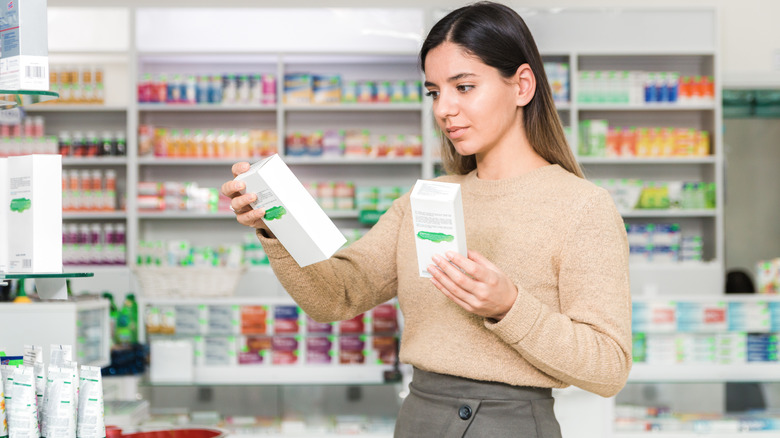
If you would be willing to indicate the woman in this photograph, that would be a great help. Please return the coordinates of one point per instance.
(542, 300)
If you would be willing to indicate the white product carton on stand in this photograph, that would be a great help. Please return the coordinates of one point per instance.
(4, 210)
(24, 61)
(35, 214)
(291, 213)
(437, 213)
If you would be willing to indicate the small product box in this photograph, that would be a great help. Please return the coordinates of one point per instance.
(254, 320)
(24, 63)
(291, 213)
(35, 215)
(298, 88)
(254, 350)
(4, 211)
(321, 350)
(437, 213)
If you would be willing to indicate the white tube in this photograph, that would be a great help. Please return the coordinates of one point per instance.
(23, 412)
(33, 356)
(90, 418)
(60, 404)
(74, 368)
(7, 374)
(59, 354)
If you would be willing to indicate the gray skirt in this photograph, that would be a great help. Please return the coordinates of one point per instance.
(442, 406)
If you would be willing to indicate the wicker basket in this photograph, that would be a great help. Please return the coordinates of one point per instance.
(174, 281)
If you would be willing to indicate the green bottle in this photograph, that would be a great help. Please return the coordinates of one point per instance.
(113, 314)
(127, 321)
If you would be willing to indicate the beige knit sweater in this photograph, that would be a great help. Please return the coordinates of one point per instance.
(558, 237)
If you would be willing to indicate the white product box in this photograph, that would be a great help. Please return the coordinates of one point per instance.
(35, 216)
(291, 213)
(437, 213)
(4, 210)
(24, 63)
(171, 361)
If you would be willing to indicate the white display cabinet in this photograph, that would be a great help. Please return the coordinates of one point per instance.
(84, 324)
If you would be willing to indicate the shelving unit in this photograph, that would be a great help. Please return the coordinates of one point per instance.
(689, 44)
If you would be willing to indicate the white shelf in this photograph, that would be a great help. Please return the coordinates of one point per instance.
(97, 215)
(94, 161)
(222, 301)
(383, 161)
(286, 375)
(185, 107)
(165, 161)
(355, 107)
(647, 107)
(654, 160)
(333, 214)
(661, 434)
(669, 213)
(563, 106)
(705, 373)
(86, 108)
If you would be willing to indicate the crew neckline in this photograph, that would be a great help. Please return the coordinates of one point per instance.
(489, 185)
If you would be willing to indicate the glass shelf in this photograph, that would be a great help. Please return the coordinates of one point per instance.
(20, 275)
(14, 98)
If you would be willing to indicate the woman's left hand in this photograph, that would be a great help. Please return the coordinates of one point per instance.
(474, 283)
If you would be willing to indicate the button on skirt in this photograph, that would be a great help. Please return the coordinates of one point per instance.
(442, 406)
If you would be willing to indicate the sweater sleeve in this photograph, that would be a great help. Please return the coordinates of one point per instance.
(352, 281)
(587, 344)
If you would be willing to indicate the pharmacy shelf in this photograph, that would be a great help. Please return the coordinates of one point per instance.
(646, 107)
(220, 301)
(94, 161)
(354, 107)
(66, 108)
(669, 213)
(174, 161)
(382, 161)
(288, 375)
(98, 215)
(184, 107)
(704, 373)
(563, 106)
(97, 269)
(333, 214)
(649, 161)
(661, 434)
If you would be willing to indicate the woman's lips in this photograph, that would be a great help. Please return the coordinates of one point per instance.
(456, 132)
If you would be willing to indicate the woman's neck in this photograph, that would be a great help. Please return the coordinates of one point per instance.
(510, 159)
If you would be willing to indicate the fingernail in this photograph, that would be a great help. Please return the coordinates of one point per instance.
(437, 259)
(241, 186)
(431, 268)
(450, 255)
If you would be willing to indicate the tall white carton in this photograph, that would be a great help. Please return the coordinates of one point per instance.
(291, 213)
(437, 213)
(4, 209)
(35, 214)
(24, 61)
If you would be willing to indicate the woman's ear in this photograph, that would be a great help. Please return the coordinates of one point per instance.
(525, 80)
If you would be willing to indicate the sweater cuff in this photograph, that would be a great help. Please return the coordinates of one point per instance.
(519, 320)
(272, 247)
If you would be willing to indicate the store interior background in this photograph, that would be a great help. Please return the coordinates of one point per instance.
(749, 58)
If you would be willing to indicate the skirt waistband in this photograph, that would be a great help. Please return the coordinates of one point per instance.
(452, 386)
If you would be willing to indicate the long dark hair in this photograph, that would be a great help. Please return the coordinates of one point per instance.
(499, 37)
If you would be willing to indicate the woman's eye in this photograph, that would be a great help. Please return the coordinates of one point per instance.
(433, 94)
(464, 88)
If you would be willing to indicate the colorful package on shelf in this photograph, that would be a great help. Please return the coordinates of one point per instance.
(224, 320)
(254, 320)
(287, 319)
(254, 350)
(326, 89)
(748, 317)
(313, 326)
(768, 276)
(220, 351)
(191, 320)
(356, 325)
(285, 350)
(558, 77)
(321, 350)
(93, 244)
(298, 88)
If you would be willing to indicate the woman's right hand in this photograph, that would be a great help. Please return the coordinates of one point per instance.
(245, 214)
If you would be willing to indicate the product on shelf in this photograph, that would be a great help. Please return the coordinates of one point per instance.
(632, 194)
(78, 84)
(94, 244)
(26, 138)
(79, 144)
(639, 87)
(227, 89)
(768, 276)
(89, 190)
(661, 243)
(558, 77)
(306, 88)
(177, 196)
(208, 143)
(352, 143)
(660, 419)
(185, 254)
(597, 139)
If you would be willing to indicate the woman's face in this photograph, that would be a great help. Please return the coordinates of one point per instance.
(475, 107)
